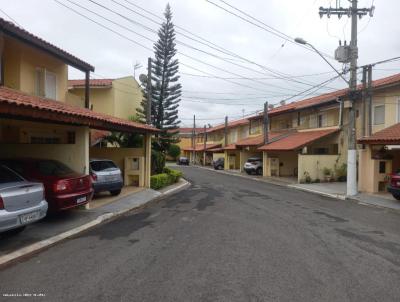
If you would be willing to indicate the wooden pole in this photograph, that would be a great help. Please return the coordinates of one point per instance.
(226, 131)
(205, 144)
(149, 99)
(266, 123)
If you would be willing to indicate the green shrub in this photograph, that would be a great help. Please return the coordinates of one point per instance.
(168, 177)
(159, 181)
(167, 170)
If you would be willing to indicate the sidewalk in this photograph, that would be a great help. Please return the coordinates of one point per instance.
(66, 224)
(334, 190)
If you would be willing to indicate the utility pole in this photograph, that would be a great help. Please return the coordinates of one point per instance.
(205, 144)
(354, 12)
(194, 140)
(226, 131)
(266, 123)
(369, 97)
(363, 100)
(149, 99)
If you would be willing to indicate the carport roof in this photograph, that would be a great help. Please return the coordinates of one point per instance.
(17, 104)
(297, 140)
(387, 136)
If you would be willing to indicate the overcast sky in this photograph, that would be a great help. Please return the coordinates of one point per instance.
(220, 81)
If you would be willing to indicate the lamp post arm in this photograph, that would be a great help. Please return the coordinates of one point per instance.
(339, 73)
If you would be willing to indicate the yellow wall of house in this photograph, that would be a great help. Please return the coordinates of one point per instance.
(76, 156)
(121, 100)
(118, 155)
(102, 99)
(314, 165)
(368, 169)
(127, 97)
(232, 160)
(20, 66)
(185, 142)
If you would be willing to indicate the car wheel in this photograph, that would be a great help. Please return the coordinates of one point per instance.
(15, 231)
(397, 196)
(259, 171)
(115, 192)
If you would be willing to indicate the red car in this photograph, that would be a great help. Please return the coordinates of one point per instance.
(394, 186)
(64, 188)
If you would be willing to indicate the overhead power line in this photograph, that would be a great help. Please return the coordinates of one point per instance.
(264, 26)
(212, 45)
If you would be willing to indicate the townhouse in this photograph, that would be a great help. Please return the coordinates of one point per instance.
(308, 139)
(41, 118)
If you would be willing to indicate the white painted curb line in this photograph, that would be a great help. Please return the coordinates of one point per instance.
(36, 247)
(332, 195)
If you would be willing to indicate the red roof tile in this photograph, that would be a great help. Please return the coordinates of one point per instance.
(189, 130)
(387, 136)
(92, 83)
(230, 147)
(296, 140)
(327, 97)
(21, 34)
(232, 124)
(16, 103)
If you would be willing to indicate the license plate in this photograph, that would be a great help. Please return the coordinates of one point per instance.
(81, 199)
(25, 218)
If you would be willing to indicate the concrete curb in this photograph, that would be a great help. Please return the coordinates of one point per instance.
(332, 195)
(41, 245)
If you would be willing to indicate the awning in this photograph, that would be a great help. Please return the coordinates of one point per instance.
(387, 136)
(297, 140)
(16, 104)
(200, 147)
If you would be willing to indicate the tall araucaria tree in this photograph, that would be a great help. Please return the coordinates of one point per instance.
(166, 90)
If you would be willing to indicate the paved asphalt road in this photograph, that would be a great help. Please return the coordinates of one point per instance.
(224, 239)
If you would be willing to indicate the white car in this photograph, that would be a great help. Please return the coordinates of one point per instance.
(254, 165)
(21, 202)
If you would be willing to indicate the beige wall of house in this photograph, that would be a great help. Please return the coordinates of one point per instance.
(313, 166)
(70, 144)
(21, 63)
(120, 100)
(371, 178)
(232, 160)
(127, 159)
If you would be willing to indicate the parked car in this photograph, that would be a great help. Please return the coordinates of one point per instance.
(394, 185)
(183, 161)
(21, 202)
(64, 188)
(106, 176)
(253, 165)
(218, 164)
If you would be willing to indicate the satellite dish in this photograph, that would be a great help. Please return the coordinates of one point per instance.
(143, 78)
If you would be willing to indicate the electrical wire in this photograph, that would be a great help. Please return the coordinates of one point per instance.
(265, 26)
(12, 19)
(208, 43)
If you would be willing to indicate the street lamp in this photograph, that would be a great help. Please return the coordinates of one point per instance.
(304, 42)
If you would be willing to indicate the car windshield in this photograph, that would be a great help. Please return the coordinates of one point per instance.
(101, 165)
(183, 158)
(6, 175)
(53, 168)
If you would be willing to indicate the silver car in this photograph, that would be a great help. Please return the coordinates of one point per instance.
(106, 176)
(21, 202)
(254, 165)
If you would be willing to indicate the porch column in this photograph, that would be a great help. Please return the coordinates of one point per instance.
(226, 160)
(147, 159)
(265, 163)
(241, 157)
